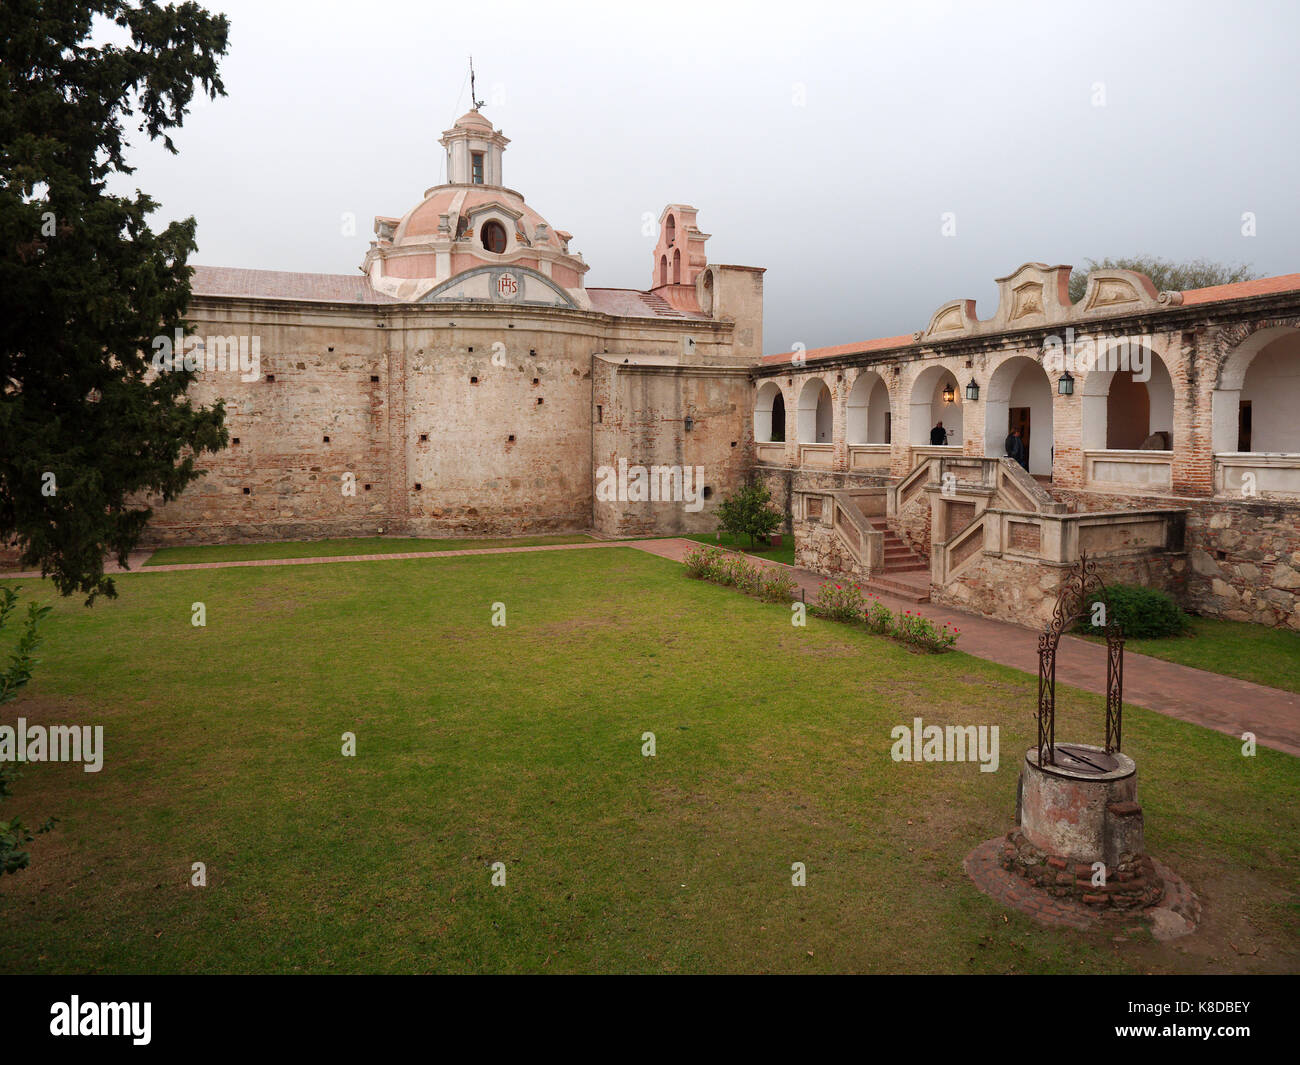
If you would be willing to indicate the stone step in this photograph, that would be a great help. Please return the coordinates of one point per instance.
(899, 586)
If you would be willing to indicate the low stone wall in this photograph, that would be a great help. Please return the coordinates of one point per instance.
(784, 481)
(819, 548)
(1024, 592)
(1242, 561)
(912, 524)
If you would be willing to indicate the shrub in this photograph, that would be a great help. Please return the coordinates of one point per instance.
(840, 602)
(702, 562)
(880, 619)
(777, 587)
(1142, 613)
(744, 575)
(921, 633)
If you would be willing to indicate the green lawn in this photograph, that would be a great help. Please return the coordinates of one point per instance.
(784, 553)
(522, 744)
(364, 545)
(1234, 648)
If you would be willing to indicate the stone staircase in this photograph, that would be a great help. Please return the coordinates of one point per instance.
(905, 575)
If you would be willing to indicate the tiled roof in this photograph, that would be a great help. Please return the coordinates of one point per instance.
(355, 288)
(1264, 286)
(631, 303)
(1241, 290)
(843, 349)
(284, 285)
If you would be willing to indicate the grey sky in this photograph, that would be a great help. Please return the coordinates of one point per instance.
(823, 142)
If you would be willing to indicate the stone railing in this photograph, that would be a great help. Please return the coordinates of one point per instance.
(1002, 481)
(869, 456)
(833, 533)
(819, 456)
(865, 542)
(1257, 475)
(1137, 471)
(1007, 563)
(772, 452)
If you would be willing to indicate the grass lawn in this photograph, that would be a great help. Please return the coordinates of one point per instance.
(523, 744)
(1233, 648)
(364, 545)
(784, 553)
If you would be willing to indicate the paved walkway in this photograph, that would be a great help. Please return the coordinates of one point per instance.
(1225, 704)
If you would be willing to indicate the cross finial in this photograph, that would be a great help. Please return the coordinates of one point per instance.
(475, 102)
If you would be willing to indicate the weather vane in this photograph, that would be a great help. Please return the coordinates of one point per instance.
(475, 102)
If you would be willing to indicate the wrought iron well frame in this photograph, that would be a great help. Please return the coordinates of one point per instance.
(1071, 598)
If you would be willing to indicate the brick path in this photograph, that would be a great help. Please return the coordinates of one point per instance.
(1225, 704)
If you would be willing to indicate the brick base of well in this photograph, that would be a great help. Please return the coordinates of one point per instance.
(1176, 914)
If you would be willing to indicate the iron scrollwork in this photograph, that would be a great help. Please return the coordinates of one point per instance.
(1071, 602)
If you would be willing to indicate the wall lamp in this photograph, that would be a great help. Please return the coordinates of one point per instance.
(1065, 386)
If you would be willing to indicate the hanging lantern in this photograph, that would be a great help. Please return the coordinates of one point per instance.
(949, 393)
(1065, 386)
(972, 390)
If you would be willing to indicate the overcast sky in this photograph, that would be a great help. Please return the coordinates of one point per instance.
(824, 142)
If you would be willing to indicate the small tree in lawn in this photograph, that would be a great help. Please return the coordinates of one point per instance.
(749, 512)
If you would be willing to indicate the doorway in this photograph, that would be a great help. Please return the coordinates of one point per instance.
(1018, 418)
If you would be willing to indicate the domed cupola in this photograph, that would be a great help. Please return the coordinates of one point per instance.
(474, 151)
(472, 239)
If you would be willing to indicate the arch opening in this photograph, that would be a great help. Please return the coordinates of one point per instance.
(816, 413)
(1259, 392)
(1130, 408)
(1020, 396)
(935, 413)
(769, 414)
(868, 414)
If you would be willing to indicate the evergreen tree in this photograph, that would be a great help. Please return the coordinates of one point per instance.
(86, 429)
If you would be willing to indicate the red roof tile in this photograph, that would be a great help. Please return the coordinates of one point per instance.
(1264, 286)
(844, 349)
(284, 285)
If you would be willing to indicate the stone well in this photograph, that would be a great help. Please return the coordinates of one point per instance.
(1084, 807)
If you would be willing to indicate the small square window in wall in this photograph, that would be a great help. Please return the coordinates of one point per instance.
(248, 491)
(270, 377)
(367, 488)
(473, 380)
(418, 486)
(511, 438)
(234, 441)
(540, 401)
(374, 378)
(424, 438)
(600, 413)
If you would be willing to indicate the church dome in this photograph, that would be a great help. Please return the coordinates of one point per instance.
(472, 120)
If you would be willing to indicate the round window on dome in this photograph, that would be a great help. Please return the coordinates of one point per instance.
(494, 237)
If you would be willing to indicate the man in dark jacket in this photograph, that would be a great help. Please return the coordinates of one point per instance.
(1016, 448)
(938, 436)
